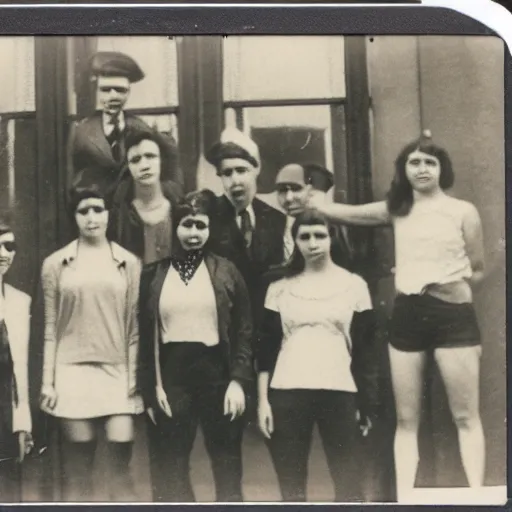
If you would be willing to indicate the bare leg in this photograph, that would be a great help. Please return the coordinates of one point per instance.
(407, 376)
(460, 371)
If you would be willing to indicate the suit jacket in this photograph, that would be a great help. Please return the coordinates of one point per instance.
(233, 313)
(88, 147)
(266, 249)
(17, 320)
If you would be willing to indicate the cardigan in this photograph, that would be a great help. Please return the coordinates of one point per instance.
(59, 312)
(234, 320)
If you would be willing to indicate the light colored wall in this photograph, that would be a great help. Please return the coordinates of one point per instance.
(453, 85)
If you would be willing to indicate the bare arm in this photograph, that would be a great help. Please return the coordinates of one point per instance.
(158, 370)
(263, 387)
(370, 214)
(473, 236)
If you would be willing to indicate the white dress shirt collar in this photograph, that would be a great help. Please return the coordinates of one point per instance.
(252, 216)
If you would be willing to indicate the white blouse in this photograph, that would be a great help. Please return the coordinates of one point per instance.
(316, 347)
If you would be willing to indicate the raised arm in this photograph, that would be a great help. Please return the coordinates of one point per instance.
(369, 214)
(473, 236)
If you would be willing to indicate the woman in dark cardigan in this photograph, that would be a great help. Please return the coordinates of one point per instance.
(196, 354)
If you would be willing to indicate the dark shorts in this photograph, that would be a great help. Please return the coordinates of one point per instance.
(423, 322)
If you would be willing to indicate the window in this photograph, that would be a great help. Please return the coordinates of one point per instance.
(155, 98)
(288, 94)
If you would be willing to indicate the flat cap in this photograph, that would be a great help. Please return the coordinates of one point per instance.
(318, 177)
(116, 64)
(234, 144)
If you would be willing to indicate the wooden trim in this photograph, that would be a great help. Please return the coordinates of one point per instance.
(51, 114)
(284, 102)
(29, 114)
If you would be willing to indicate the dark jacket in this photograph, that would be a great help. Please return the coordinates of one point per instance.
(88, 148)
(266, 249)
(234, 320)
(125, 225)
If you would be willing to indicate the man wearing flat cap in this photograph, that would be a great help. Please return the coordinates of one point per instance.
(294, 184)
(98, 141)
(247, 230)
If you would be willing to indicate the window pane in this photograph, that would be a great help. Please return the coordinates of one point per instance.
(278, 67)
(284, 135)
(164, 123)
(17, 86)
(289, 134)
(156, 55)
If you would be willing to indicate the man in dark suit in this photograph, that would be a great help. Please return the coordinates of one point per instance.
(246, 230)
(98, 141)
(294, 184)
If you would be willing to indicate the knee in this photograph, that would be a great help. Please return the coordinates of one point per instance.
(466, 420)
(119, 429)
(407, 421)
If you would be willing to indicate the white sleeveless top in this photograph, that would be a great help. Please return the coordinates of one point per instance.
(189, 312)
(430, 246)
(316, 347)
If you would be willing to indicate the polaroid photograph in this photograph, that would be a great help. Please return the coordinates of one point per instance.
(252, 267)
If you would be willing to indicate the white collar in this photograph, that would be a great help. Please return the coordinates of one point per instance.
(107, 127)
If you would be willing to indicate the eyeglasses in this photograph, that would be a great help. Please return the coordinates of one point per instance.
(292, 187)
(137, 158)
(319, 236)
(118, 89)
(8, 246)
(95, 209)
(199, 224)
(227, 173)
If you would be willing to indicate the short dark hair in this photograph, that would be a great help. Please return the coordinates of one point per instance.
(295, 265)
(169, 156)
(86, 185)
(400, 197)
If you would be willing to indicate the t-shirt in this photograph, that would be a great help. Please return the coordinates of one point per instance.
(316, 347)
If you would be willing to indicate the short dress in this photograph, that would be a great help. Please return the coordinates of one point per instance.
(91, 370)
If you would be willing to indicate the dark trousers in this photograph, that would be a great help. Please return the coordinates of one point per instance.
(175, 440)
(295, 413)
(195, 381)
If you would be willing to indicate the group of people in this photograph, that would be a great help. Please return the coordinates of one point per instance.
(190, 307)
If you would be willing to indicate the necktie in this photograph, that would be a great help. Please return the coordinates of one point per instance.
(246, 227)
(115, 138)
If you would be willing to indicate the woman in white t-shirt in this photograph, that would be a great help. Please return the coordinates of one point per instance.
(439, 260)
(316, 362)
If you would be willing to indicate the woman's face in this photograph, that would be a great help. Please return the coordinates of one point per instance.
(423, 171)
(193, 231)
(92, 218)
(7, 252)
(313, 242)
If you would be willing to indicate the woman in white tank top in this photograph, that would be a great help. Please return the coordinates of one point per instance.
(439, 260)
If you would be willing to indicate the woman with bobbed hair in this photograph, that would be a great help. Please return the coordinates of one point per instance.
(15, 417)
(439, 262)
(91, 342)
(196, 354)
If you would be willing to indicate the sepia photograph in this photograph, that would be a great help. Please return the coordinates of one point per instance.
(253, 269)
